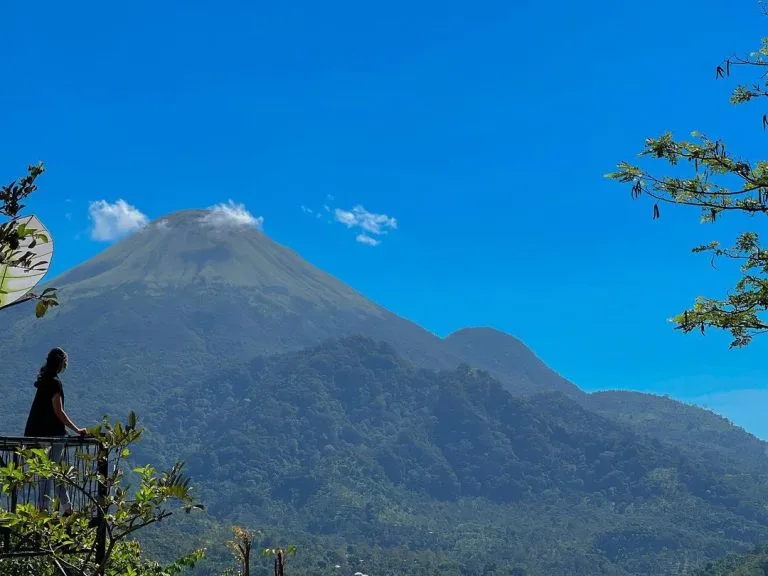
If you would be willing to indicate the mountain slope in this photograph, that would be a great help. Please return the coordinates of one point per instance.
(753, 563)
(700, 433)
(188, 295)
(346, 440)
(217, 275)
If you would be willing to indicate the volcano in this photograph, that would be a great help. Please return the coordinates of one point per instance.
(192, 294)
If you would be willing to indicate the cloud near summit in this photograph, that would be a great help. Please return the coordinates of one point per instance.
(232, 214)
(111, 222)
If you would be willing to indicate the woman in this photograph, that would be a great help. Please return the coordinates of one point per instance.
(48, 419)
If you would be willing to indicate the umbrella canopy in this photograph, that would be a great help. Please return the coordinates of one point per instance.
(16, 281)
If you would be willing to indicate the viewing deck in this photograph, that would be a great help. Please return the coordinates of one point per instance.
(84, 455)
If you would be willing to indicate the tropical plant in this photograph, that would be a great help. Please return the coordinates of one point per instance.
(241, 546)
(280, 557)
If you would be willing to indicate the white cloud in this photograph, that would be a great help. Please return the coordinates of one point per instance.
(368, 224)
(311, 212)
(367, 240)
(346, 218)
(111, 222)
(232, 214)
(162, 224)
(361, 218)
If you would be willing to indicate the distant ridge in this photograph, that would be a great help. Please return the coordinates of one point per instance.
(508, 358)
(700, 432)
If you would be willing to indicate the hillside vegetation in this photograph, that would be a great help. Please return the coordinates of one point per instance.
(320, 417)
(346, 443)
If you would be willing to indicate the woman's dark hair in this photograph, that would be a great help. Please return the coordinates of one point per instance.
(54, 363)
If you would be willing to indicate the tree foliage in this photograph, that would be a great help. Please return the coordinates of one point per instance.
(719, 182)
(70, 543)
(279, 558)
(241, 546)
(753, 563)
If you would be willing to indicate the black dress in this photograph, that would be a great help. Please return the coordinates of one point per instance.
(42, 420)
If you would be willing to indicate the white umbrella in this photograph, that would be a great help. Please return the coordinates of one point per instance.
(16, 281)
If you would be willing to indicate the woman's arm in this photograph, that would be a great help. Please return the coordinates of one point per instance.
(58, 409)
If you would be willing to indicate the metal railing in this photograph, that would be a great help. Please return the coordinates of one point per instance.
(87, 458)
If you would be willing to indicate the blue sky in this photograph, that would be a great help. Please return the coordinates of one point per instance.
(481, 129)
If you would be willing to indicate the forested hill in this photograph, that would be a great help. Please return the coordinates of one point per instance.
(701, 433)
(752, 563)
(305, 409)
(347, 441)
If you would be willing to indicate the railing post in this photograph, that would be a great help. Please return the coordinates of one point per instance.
(102, 463)
(15, 493)
(12, 497)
